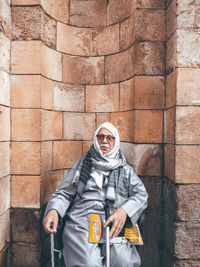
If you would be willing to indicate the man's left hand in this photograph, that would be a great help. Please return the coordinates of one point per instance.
(118, 218)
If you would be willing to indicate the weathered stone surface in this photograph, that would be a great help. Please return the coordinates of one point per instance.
(47, 86)
(46, 156)
(5, 18)
(51, 125)
(26, 22)
(86, 146)
(150, 25)
(148, 126)
(169, 230)
(4, 158)
(25, 91)
(25, 191)
(5, 229)
(25, 124)
(79, 126)
(4, 194)
(127, 32)
(169, 200)
(102, 98)
(153, 186)
(169, 121)
(156, 4)
(4, 123)
(88, 13)
(25, 2)
(4, 53)
(187, 263)
(171, 85)
(67, 97)
(48, 30)
(101, 118)
(119, 67)
(149, 58)
(149, 92)
(187, 125)
(171, 19)
(58, 10)
(5, 256)
(171, 53)
(127, 94)
(5, 88)
(170, 161)
(25, 225)
(79, 70)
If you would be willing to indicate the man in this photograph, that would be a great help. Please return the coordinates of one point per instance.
(110, 177)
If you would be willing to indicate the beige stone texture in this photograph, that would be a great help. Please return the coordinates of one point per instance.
(4, 123)
(26, 22)
(144, 158)
(4, 53)
(67, 97)
(124, 122)
(48, 30)
(4, 253)
(171, 53)
(86, 146)
(25, 158)
(51, 125)
(5, 18)
(149, 58)
(49, 70)
(148, 126)
(73, 40)
(79, 126)
(171, 19)
(80, 70)
(187, 164)
(46, 93)
(127, 32)
(50, 181)
(119, 67)
(171, 83)
(188, 125)
(169, 162)
(118, 10)
(57, 9)
(5, 88)
(127, 95)
(5, 229)
(150, 25)
(105, 41)
(46, 156)
(90, 13)
(170, 121)
(102, 98)
(4, 158)
(149, 92)
(25, 2)
(101, 118)
(154, 4)
(66, 153)
(25, 91)
(25, 192)
(25, 57)
(4, 194)
(25, 124)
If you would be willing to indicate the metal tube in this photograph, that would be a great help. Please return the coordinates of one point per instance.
(52, 250)
(107, 246)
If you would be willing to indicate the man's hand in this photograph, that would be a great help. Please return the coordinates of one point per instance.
(51, 218)
(118, 218)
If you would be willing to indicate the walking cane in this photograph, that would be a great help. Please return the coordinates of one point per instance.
(107, 215)
(52, 247)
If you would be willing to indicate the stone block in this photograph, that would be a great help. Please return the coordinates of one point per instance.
(67, 97)
(150, 25)
(25, 225)
(50, 181)
(46, 156)
(4, 123)
(127, 94)
(101, 118)
(25, 192)
(119, 67)
(4, 53)
(5, 18)
(66, 153)
(118, 10)
(169, 200)
(25, 2)
(25, 58)
(48, 30)
(170, 161)
(51, 125)
(102, 98)
(79, 126)
(5, 256)
(4, 194)
(80, 70)
(149, 92)
(171, 19)
(148, 126)
(5, 88)
(51, 63)
(47, 86)
(154, 189)
(127, 32)
(187, 164)
(88, 13)
(171, 53)
(169, 230)
(86, 146)
(149, 58)
(169, 125)
(25, 254)
(58, 10)
(26, 22)
(105, 41)
(25, 91)
(187, 125)
(25, 124)
(187, 263)
(25, 158)
(155, 4)
(171, 85)
(4, 158)
(124, 122)
(5, 229)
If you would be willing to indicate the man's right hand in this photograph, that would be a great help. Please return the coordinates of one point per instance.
(51, 219)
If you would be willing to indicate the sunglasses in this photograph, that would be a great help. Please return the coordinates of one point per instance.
(109, 138)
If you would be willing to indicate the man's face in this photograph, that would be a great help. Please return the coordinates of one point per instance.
(106, 140)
